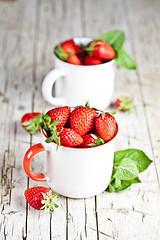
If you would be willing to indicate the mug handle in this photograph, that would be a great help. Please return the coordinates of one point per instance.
(47, 86)
(31, 152)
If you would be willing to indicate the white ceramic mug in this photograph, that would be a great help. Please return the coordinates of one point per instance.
(94, 83)
(71, 171)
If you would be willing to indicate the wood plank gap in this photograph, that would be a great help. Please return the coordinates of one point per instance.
(128, 23)
(96, 213)
(67, 218)
(85, 226)
(50, 226)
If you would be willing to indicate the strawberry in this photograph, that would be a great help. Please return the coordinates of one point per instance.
(59, 113)
(65, 49)
(89, 60)
(82, 119)
(74, 59)
(102, 50)
(105, 125)
(70, 138)
(27, 121)
(69, 46)
(91, 140)
(124, 104)
(41, 198)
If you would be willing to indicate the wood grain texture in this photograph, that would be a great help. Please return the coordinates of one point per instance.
(28, 32)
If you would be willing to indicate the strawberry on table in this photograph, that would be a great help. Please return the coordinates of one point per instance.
(91, 140)
(41, 198)
(106, 125)
(102, 50)
(90, 60)
(27, 121)
(74, 59)
(82, 119)
(70, 138)
(124, 104)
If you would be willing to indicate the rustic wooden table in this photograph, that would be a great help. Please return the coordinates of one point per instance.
(28, 32)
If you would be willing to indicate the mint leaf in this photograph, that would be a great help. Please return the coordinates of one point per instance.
(115, 38)
(124, 60)
(123, 184)
(136, 155)
(126, 170)
(127, 166)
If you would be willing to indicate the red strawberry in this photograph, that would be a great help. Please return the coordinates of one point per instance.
(70, 138)
(124, 104)
(60, 113)
(82, 119)
(91, 140)
(102, 50)
(89, 60)
(41, 198)
(69, 46)
(74, 59)
(27, 119)
(105, 125)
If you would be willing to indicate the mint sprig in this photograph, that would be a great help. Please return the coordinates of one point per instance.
(128, 164)
(116, 39)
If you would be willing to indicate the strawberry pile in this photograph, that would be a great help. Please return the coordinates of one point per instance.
(81, 127)
(96, 52)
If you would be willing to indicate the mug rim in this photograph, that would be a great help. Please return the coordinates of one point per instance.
(86, 148)
(81, 66)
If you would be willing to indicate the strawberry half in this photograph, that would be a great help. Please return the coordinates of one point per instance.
(89, 60)
(102, 50)
(59, 113)
(124, 104)
(91, 140)
(70, 138)
(105, 125)
(41, 198)
(82, 119)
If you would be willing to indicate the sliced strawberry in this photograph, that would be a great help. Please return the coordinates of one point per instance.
(41, 198)
(91, 140)
(89, 60)
(74, 59)
(59, 113)
(82, 119)
(105, 125)
(102, 50)
(124, 104)
(70, 138)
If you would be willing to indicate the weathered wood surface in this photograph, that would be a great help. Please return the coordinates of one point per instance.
(28, 32)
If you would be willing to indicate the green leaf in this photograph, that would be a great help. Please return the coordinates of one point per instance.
(115, 38)
(124, 60)
(127, 166)
(123, 184)
(140, 159)
(60, 53)
(126, 170)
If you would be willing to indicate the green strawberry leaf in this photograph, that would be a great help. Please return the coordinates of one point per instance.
(114, 38)
(124, 60)
(60, 53)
